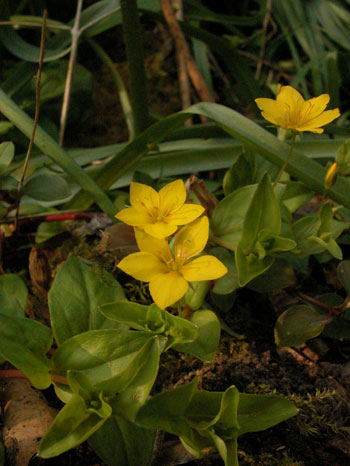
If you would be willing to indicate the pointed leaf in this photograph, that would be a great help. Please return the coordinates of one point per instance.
(73, 425)
(260, 412)
(151, 319)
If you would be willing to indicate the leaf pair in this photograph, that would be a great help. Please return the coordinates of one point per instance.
(203, 419)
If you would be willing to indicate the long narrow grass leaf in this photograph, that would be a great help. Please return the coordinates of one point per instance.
(49, 147)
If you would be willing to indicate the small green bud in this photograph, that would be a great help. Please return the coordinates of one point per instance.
(195, 295)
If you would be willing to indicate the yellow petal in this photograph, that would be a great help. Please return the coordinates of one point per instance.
(272, 111)
(203, 268)
(134, 217)
(142, 266)
(143, 196)
(160, 229)
(321, 120)
(167, 288)
(191, 240)
(186, 214)
(314, 107)
(172, 197)
(293, 100)
(157, 247)
(290, 96)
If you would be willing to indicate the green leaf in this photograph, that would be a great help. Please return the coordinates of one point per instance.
(7, 152)
(77, 290)
(151, 319)
(339, 326)
(50, 147)
(228, 217)
(143, 372)
(119, 442)
(260, 412)
(266, 144)
(47, 187)
(129, 156)
(317, 234)
(167, 410)
(47, 230)
(261, 228)
(202, 419)
(26, 51)
(96, 348)
(13, 295)
(241, 128)
(229, 282)
(110, 359)
(298, 324)
(207, 342)
(24, 343)
(74, 424)
(240, 174)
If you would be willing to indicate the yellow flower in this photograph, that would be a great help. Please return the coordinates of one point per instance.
(291, 111)
(169, 274)
(159, 214)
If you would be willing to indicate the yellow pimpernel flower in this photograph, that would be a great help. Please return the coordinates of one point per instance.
(168, 275)
(291, 111)
(159, 214)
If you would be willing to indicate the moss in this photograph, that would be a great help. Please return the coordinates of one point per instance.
(316, 414)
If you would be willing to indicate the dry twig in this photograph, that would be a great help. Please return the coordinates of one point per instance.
(72, 58)
(184, 50)
(36, 117)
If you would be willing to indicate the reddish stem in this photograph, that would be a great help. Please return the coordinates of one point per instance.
(71, 216)
(332, 310)
(16, 374)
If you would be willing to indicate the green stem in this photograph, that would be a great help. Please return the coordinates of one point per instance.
(286, 161)
(134, 51)
(118, 80)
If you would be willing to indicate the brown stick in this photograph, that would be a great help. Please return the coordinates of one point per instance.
(26, 417)
(184, 50)
(184, 82)
(36, 117)
(72, 58)
(264, 39)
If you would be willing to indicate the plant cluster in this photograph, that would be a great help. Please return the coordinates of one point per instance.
(195, 249)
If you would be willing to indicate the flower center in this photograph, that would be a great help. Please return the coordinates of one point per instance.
(159, 218)
(172, 265)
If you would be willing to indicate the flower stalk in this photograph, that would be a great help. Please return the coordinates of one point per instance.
(280, 173)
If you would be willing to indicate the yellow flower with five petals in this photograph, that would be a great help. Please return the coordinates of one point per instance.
(291, 111)
(159, 214)
(168, 274)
